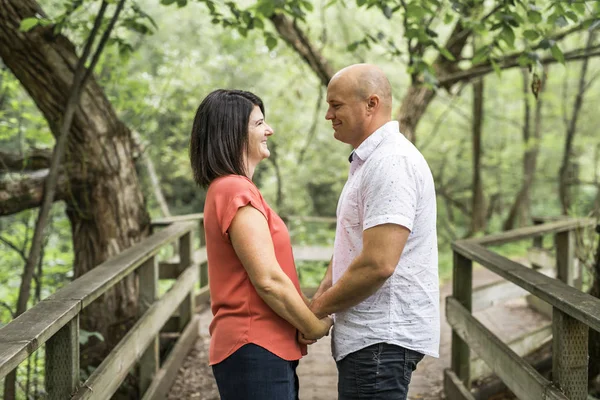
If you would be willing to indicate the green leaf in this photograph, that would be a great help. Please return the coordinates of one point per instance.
(167, 2)
(508, 35)
(572, 16)
(308, 5)
(271, 42)
(447, 54)
(415, 11)
(561, 21)
(360, 3)
(28, 23)
(530, 34)
(496, 67)
(534, 16)
(557, 54)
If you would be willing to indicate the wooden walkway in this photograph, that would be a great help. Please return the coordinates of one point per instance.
(317, 371)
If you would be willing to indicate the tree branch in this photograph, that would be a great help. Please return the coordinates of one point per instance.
(26, 192)
(511, 62)
(34, 160)
(14, 247)
(293, 36)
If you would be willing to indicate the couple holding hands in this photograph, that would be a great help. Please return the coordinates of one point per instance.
(380, 292)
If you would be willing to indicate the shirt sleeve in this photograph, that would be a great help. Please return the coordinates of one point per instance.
(234, 194)
(390, 192)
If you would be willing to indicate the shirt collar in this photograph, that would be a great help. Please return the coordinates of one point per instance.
(366, 148)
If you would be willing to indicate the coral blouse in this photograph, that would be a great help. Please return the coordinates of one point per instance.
(240, 314)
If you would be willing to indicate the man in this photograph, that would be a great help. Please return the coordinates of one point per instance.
(382, 282)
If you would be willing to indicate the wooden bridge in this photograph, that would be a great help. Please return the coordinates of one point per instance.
(552, 288)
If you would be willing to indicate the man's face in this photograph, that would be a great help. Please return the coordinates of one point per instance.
(347, 113)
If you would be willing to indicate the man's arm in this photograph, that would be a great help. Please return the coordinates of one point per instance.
(382, 247)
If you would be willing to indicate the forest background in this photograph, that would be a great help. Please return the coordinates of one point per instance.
(501, 97)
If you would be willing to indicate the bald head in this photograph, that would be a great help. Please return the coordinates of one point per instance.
(365, 80)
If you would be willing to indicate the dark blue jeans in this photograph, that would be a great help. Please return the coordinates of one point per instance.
(253, 373)
(378, 372)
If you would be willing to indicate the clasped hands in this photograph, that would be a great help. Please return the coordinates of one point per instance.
(321, 330)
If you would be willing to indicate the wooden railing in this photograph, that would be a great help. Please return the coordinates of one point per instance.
(54, 322)
(573, 313)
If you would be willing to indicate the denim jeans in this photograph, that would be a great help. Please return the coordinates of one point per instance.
(254, 373)
(378, 372)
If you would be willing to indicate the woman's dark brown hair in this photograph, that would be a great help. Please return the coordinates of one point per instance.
(220, 134)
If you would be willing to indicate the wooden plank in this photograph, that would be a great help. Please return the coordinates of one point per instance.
(571, 301)
(166, 375)
(308, 218)
(519, 376)
(176, 218)
(312, 253)
(454, 388)
(539, 305)
(95, 283)
(570, 355)
(168, 269)
(522, 345)
(62, 362)
(541, 258)
(186, 256)
(148, 295)
(498, 292)
(105, 380)
(462, 290)
(565, 256)
(531, 232)
(26, 333)
(203, 296)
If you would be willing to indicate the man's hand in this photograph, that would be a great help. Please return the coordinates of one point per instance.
(323, 330)
(302, 340)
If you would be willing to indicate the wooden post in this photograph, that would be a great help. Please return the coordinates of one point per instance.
(186, 254)
(62, 361)
(203, 266)
(565, 256)
(148, 294)
(538, 241)
(462, 289)
(569, 355)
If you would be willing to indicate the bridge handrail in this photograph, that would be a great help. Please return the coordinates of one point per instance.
(55, 320)
(573, 313)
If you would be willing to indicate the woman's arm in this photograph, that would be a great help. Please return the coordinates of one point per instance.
(252, 242)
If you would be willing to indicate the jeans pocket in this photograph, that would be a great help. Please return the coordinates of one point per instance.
(411, 359)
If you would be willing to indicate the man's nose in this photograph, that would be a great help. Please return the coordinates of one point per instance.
(329, 114)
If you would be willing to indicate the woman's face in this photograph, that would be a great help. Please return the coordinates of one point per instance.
(258, 132)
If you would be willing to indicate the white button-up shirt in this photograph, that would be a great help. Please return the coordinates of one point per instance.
(390, 182)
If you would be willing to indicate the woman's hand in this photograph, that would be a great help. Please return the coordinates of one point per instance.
(320, 330)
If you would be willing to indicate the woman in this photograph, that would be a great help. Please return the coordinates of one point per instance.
(256, 301)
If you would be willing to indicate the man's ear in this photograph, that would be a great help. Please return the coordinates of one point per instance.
(372, 103)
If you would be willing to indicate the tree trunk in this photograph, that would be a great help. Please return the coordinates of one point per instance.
(105, 204)
(478, 213)
(567, 169)
(519, 213)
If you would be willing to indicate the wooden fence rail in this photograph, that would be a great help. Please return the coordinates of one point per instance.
(573, 313)
(55, 321)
